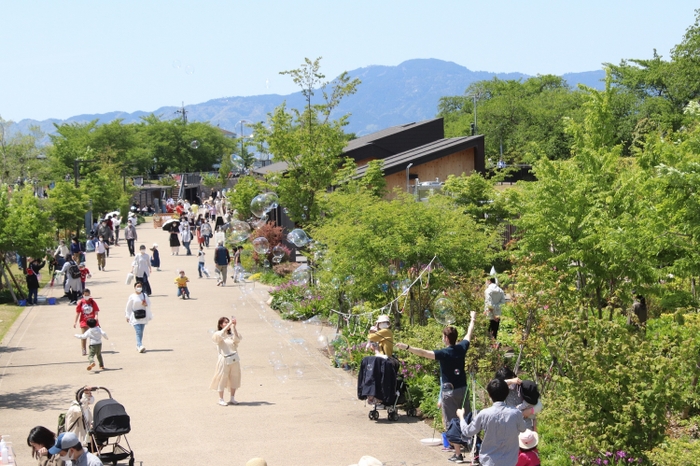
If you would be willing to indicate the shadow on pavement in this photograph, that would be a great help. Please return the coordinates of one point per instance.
(11, 349)
(46, 364)
(46, 397)
(255, 403)
(159, 350)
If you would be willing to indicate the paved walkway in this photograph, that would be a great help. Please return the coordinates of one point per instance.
(310, 420)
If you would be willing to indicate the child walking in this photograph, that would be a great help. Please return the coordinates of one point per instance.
(86, 309)
(84, 274)
(200, 265)
(181, 282)
(94, 334)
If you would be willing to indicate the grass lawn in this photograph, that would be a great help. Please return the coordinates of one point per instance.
(9, 312)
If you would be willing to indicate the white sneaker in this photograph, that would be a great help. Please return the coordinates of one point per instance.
(233, 402)
(222, 403)
(142, 349)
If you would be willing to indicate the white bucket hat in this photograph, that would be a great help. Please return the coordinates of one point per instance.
(528, 439)
(368, 461)
(383, 318)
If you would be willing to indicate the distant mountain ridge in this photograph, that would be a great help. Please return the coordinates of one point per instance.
(388, 96)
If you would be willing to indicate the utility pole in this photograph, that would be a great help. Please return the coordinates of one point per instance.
(182, 112)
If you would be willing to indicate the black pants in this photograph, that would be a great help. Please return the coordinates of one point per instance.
(144, 281)
(130, 243)
(493, 328)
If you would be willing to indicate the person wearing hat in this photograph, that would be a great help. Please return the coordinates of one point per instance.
(381, 334)
(130, 236)
(528, 449)
(155, 257)
(70, 450)
(141, 268)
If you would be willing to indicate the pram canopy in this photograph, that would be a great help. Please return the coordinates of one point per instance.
(110, 419)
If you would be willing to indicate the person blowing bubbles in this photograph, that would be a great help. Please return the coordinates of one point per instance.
(451, 359)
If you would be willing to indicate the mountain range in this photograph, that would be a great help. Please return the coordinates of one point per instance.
(388, 96)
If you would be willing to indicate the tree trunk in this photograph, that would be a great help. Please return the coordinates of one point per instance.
(9, 285)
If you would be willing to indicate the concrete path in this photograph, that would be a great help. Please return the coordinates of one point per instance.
(312, 419)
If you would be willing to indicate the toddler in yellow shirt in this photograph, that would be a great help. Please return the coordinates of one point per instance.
(181, 281)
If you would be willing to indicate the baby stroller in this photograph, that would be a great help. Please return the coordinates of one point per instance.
(109, 424)
(378, 383)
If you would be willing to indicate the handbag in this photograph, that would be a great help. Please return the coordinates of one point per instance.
(139, 313)
(231, 358)
(129, 278)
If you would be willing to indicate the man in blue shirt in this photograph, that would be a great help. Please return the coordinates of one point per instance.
(501, 425)
(451, 359)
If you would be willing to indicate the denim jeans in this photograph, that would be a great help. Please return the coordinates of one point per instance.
(200, 268)
(139, 334)
(33, 292)
(186, 244)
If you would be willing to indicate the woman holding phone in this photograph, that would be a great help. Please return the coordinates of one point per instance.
(228, 363)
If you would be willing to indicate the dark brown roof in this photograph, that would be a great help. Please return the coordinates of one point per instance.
(429, 152)
(394, 140)
(272, 168)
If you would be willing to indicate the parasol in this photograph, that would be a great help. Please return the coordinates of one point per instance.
(171, 224)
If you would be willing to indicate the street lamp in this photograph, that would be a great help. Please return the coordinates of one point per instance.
(475, 96)
(408, 187)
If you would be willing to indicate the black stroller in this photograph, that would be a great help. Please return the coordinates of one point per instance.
(378, 383)
(109, 424)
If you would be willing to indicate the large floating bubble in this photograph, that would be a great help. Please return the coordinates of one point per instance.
(194, 144)
(270, 201)
(281, 372)
(240, 231)
(237, 161)
(298, 237)
(257, 205)
(261, 245)
(278, 252)
(443, 311)
(259, 223)
(298, 369)
(286, 308)
(322, 342)
(302, 274)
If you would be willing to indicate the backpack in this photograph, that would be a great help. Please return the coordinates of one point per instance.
(74, 270)
(61, 424)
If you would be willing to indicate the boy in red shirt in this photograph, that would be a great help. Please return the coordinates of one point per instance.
(86, 309)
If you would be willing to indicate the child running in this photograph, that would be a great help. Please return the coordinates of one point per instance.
(84, 274)
(181, 282)
(200, 265)
(95, 334)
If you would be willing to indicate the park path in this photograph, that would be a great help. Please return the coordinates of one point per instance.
(310, 420)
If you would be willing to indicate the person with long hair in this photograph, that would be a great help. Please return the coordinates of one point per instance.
(228, 363)
(40, 439)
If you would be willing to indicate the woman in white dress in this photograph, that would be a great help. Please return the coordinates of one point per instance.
(228, 363)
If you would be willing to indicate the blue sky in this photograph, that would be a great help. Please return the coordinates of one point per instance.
(64, 58)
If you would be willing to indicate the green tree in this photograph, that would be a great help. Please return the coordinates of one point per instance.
(27, 228)
(523, 119)
(243, 193)
(309, 141)
(21, 155)
(68, 205)
(105, 189)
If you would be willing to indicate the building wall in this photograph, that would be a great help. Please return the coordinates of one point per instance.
(454, 164)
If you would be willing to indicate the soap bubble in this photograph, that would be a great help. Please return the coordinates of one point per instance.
(447, 389)
(298, 237)
(350, 280)
(177, 64)
(286, 308)
(270, 201)
(275, 358)
(266, 264)
(278, 252)
(260, 222)
(384, 287)
(302, 274)
(237, 161)
(189, 69)
(298, 369)
(261, 245)
(276, 260)
(194, 144)
(322, 341)
(457, 372)
(308, 294)
(240, 231)
(281, 371)
(443, 313)
(257, 205)
(392, 270)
